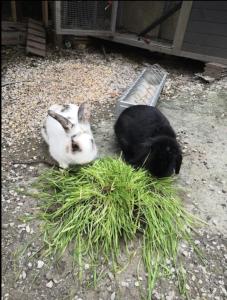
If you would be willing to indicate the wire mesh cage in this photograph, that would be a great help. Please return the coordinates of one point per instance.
(85, 15)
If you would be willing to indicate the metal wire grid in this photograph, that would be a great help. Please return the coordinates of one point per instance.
(87, 15)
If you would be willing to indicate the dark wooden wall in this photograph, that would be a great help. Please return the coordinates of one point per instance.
(206, 32)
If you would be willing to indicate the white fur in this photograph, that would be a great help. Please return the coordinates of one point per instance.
(60, 142)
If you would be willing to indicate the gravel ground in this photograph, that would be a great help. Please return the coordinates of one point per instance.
(196, 110)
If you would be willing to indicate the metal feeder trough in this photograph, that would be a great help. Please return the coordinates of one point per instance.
(145, 90)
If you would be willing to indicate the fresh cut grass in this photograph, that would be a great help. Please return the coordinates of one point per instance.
(100, 206)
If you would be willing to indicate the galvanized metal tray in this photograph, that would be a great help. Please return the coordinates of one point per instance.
(145, 90)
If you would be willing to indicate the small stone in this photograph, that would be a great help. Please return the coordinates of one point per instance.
(137, 283)
(185, 253)
(21, 226)
(140, 278)
(214, 222)
(187, 287)
(109, 288)
(23, 275)
(193, 278)
(50, 284)
(111, 276)
(86, 266)
(40, 264)
(112, 297)
(171, 296)
(11, 224)
(29, 265)
(211, 187)
(28, 229)
(124, 284)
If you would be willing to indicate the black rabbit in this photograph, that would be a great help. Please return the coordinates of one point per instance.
(148, 140)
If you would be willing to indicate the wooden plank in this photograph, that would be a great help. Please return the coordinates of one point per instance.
(13, 26)
(14, 10)
(37, 45)
(207, 15)
(205, 27)
(10, 38)
(206, 50)
(36, 38)
(58, 17)
(22, 38)
(132, 40)
(35, 51)
(222, 5)
(157, 47)
(35, 32)
(182, 25)
(45, 12)
(30, 20)
(203, 57)
(206, 39)
(36, 27)
(81, 32)
(114, 15)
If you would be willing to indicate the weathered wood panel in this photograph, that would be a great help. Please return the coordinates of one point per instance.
(36, 42)
(36, 32)
(206, 50)
(210, 15)
(10, 38)
(211, 40)
(220, 5)
(13, 33)
(207, 29)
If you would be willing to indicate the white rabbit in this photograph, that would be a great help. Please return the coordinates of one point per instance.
(67, 131)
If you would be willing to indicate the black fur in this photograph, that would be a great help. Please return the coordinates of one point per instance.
(147, 139)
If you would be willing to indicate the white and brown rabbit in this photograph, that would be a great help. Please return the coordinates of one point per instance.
(67, 131)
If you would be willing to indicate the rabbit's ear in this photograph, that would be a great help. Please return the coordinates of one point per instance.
(178, 163)
(84, 113)
(65, 123)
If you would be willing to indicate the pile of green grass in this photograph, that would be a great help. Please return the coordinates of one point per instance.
(100, 205)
